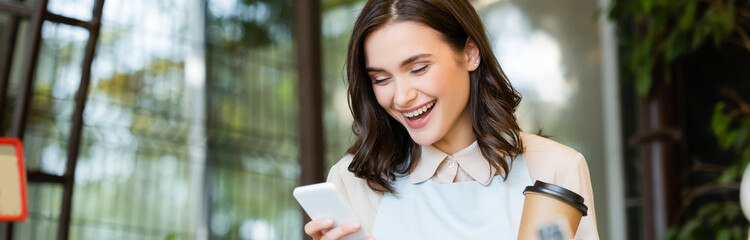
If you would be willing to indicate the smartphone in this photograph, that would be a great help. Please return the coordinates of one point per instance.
(323, 201)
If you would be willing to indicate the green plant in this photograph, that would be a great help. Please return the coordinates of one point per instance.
(172, 236)
(720, 219)
(732, 128)
(658, 32)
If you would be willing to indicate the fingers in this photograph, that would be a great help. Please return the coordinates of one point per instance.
(341, 231)
(315, 228)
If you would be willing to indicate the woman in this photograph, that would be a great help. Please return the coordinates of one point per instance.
(439, 154)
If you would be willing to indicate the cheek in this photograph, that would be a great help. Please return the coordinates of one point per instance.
(459, 80)
(383, 96)
(448, 76)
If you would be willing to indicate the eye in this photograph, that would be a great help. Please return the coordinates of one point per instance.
(379, 80)
(420, 70)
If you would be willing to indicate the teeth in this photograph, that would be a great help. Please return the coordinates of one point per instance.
(420, 110)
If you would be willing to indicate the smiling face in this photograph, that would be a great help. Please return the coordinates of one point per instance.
(423, 83)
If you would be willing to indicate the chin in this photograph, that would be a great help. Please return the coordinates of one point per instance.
(424, 139)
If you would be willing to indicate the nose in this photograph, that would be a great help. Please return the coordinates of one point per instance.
(405, 94)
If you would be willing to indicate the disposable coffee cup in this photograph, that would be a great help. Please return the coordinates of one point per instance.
(549, 208)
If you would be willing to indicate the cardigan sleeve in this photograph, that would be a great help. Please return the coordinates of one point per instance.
(361, 199)
(558, 164)
(576, 178)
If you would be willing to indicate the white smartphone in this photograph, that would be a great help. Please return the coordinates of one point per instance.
(323, 201)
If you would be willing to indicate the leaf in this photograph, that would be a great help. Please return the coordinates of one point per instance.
(643, 82)
(715, 217)
(720, 121)
(670, 234)
(732, 211)
(647, 6)
(172, 236)
(728, 140)
(740, 232)
(726, 17)
(724, 234)
(675, 46)
(689, 228)
(743, 135)
(696, 37)
(729, 175)
(688, 16)
(644, 71)
(707, 209)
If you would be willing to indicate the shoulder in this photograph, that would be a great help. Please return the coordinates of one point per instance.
(363, 200)
(549, 160)
(535, 144)
(542, 149)
(345, 181)
(341, 169)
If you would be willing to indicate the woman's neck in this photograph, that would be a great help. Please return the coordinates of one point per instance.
(460, 136)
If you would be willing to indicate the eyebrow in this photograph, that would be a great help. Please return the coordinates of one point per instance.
(403, 63)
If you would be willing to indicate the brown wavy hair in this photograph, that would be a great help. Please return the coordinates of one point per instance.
(383, 146)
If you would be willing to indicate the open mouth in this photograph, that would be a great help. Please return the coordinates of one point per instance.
(418, 114)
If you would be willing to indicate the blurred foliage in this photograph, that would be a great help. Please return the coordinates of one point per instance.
(258, 23)
(134, 168)
(722, 219)
(719, 221)
(333, 4)
(172, 236)
(658, 32)
(253, 86)
(732, 129)
(251, 23)
(121, 86)
(338, 21)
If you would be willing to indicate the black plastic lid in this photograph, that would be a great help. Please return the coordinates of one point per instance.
(567, 196)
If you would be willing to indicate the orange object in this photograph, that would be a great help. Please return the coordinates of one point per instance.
(12, 181)
(550, 212)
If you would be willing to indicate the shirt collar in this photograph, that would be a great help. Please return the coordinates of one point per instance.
(427, 164)
(470, 159)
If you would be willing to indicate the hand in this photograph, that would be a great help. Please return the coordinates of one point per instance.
(315, 229)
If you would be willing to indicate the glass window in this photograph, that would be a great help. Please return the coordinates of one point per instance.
(552, 54)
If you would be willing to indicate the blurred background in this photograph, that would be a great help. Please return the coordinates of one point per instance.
(195, 119)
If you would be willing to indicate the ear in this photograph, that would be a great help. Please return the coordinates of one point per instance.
(472, 56)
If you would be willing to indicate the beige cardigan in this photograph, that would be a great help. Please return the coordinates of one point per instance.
(546, 160)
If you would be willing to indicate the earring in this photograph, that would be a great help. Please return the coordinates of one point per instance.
(476, 63)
